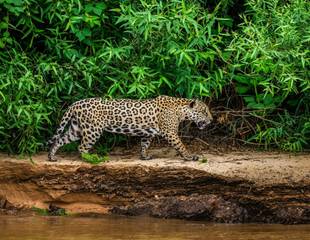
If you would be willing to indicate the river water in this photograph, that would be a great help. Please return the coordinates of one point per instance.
(136, 228)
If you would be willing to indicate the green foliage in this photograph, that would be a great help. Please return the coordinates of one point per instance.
(52, 211)
(289, 133)
(25, 106)
(53, 53)
(94, 158)
(40, 211)
(204, 160)
(269, 69)
(57, 52)
(272, 52)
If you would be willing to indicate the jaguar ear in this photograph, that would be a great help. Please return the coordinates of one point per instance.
(192, 104)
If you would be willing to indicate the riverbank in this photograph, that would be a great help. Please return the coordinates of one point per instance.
(238, 186)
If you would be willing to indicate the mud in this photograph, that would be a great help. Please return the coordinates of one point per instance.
(239, 186)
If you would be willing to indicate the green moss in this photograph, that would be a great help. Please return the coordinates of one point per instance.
(40, 211)
(204, 160)
(94, 158)
(52, 211)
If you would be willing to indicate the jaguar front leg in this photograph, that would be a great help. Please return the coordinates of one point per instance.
(145, 144)
(175, 141)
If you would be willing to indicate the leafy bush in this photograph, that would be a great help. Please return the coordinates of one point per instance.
(76, 49)
(56, 52)
(269, 69)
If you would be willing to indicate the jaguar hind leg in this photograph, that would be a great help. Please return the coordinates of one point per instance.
(71, 135)
(89, 138)
(145, 144)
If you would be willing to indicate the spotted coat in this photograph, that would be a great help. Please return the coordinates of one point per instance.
(161, 116)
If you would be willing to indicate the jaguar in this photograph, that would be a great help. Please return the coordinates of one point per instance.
(87, 119)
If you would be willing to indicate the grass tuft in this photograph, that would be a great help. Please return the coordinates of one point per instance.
(94, 158)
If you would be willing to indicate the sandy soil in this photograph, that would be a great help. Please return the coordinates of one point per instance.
(263, 168)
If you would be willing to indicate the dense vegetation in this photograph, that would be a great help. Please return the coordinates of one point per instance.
(249, 57)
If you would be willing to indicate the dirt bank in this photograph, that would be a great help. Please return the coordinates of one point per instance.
(239, 186)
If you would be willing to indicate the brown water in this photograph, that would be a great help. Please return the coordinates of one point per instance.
(69, 228)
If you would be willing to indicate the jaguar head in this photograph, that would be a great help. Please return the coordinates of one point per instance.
(198, 112)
